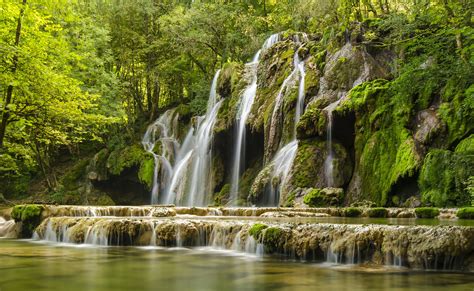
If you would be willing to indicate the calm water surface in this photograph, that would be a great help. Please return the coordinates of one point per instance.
(26, 265)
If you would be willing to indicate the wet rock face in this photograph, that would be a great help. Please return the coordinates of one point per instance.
(427, 126)
(421, 247)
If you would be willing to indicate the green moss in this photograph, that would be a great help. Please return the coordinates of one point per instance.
(456, 110)
(466, 145)
(29, 215)
(256, 230)
(125, 158)
(426, 212)
(222, 196)
(323, 197)
(378, 212)
(352, 212)
(290, 200)
(147, 171)
(466, 213)
(272, 237)
(444, 176)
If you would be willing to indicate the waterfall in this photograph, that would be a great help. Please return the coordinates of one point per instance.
(243, 112)
(190, 182)
(283, 159)
(161, 131)
(182, 172)
(328, 163)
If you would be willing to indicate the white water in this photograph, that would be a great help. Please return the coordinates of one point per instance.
(245, 106)
(182, 172)
(161, 131)
(283, 159)
(191, 181)
(329, 162)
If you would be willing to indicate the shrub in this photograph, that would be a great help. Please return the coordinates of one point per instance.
(466, 213)
(426, 212)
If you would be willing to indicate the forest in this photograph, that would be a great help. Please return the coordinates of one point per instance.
(81, 81)
(236, 145)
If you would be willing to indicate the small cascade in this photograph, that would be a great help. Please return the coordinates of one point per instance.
(7, 228)
(283, 160)
(162, 131)
(328, 163)
(200, 183)
(425, 247)
(185, 169)
(245, 106)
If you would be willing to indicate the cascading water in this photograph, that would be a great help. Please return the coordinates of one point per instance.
(245, 106)
(190, 182)
(283, 159)
(162, 131)
(181, 174)
(328, 163)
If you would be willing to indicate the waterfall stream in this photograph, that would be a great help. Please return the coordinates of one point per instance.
(283, 159)
(185, 169)
(245, 106)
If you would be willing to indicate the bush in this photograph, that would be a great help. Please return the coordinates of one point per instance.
(466, 213)
(426, 212)
(377, 212)
(352, 212)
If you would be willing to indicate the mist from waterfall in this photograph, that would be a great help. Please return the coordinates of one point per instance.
(246, 101)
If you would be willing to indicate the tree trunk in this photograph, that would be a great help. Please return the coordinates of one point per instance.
(8, 99)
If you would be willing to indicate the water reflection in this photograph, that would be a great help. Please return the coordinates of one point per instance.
(26, 266)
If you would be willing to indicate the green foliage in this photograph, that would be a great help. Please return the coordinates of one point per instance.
(378, 212)
(443, 178)
(426, 212)
(256, 230)
(352, 212)
(29, 215)
(466, 213)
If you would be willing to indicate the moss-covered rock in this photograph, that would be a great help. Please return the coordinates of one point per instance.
(377, 212)
(272, 239)
(324, 197)
(256, 230)
(385, 150)
(426, 212)
(221, 198)
(466, 213)
(146, 171)
(444, 176)
(30, 217)
(126, 158)
(308, 166)
(352, 212)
